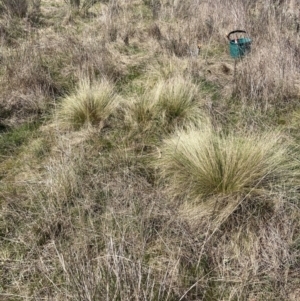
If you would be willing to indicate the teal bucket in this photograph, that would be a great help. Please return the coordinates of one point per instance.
(240, 46)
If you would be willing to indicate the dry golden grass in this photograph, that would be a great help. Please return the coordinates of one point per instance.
(200, 163)
(90, 104)
(83, 214)
(169, 104)
(177, 101)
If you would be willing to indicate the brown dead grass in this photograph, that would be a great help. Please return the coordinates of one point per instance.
(83, 216)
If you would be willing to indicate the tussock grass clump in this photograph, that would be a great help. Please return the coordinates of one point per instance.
(170, 103)
(142, 113)
(239, 193)
(202, 163)
(90, 104)
(176, 100)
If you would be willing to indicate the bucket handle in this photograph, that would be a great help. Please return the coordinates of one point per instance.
(235, 31)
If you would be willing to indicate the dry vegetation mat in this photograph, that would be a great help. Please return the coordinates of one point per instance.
(139, 161)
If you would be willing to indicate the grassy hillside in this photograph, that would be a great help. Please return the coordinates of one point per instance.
(139, 161)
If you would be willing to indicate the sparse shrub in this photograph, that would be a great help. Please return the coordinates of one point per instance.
(90, 104)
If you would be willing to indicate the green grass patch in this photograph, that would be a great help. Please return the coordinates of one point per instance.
(12, 140)
(210, 88)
